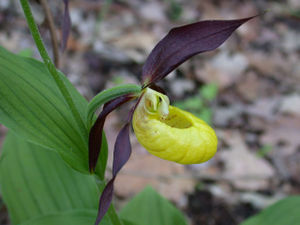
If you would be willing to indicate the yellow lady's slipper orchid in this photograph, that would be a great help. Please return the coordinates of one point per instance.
(171, 133)
(165, 131)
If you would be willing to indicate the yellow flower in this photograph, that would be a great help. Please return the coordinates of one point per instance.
(171, 133)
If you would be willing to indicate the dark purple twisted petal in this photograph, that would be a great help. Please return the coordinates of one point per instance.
(95, 135)
(122, 152)
(105, 200)
(183, 42)
(122, 149)
(66, 26)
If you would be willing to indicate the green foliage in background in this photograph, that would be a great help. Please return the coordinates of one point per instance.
(149, 208)
(284, 212)
(264, 150)
(295, 13)
(26, 52)
(175, 10)
(200, 104)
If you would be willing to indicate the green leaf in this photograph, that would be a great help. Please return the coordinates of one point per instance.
(126, 222)
(76, 217)
(32, 106)
(295, 13)
(206, 115)
(264, 150)
(118, 80)
(35, 182)
(209, 91)
(149, 208)
(192, 104)
(175, 10)
(108, 95)
(26, 52)
(284, 212)
(179, 104)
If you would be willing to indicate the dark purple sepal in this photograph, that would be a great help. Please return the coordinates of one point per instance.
(122, 152)
(157, 88)
(66, 26)
(183, 42)
(95, 135)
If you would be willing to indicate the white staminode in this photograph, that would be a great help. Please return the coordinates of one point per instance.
(155, 103)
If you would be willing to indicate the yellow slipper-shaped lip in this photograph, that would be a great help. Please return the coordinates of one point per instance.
(171, 133)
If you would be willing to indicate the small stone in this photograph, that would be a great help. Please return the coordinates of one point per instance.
(110, 53)
(152, 11)
(224, 69)
(179, 86)
(291, 105)
(258, 200)
(233, 65)
(223, 116)
(291, 41)
(4, 4)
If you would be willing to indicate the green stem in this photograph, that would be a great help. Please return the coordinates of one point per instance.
(51, 68)
(107, 95)
(113, 216)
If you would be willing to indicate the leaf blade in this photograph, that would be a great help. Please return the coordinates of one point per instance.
(74, 217)
(285, 212)
(147, 206)
(33, 107)
(36, 182)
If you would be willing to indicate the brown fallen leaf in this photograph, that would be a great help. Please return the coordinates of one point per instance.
(283, 133)
(137, 44)
(247, 171)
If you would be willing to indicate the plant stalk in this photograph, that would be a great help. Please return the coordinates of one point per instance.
(51, 68)
(50, 23)
(113, 216)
